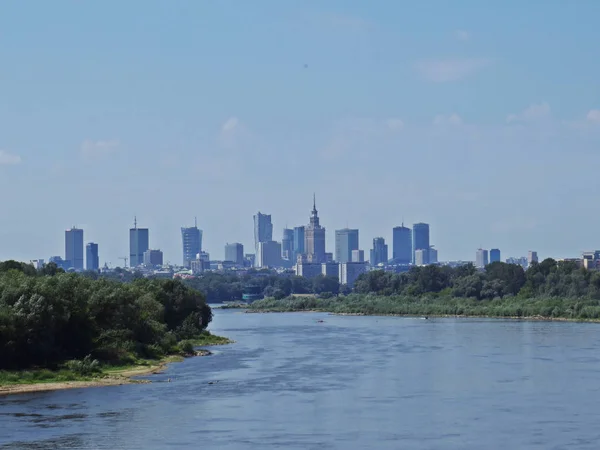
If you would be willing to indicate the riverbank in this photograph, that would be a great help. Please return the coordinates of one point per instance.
(548, 309)
(42, 380)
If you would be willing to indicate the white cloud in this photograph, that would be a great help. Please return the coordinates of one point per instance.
(452, 119)
(97, 149)
(230, 125)
(593, 116)
(442, 71)
(394, 124)
(462, 35)
(232, 133)
(8, 159)
(530, 114)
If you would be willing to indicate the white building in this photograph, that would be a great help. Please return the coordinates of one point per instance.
(358, 256)
(421, 257)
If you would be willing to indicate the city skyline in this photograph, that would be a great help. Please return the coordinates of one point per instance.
(93, 138)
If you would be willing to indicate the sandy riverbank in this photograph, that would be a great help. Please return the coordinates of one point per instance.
(115, 377)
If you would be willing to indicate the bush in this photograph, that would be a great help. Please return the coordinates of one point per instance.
(85, 367)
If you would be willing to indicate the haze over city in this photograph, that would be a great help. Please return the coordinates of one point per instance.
(396, 112)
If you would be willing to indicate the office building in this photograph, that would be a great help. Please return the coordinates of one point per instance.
(287, 245)
(481, 258)
(522, 261)
(37, 263)
(532, 257)
(308, 270)
(298, 241)
(402, 245)
(314, 238)
(420, 238)
(139, 242)
(250, 260)
(153, 258)
(346, 240)
(358, 256)
(495, 255)
(330, 269)
(74, 248)
(234, 253)
(269, 254)
(201, 263)
(191, 240)
(350, 271)
(263, 229)
(379, 253)
(92, 261)
(432, 255)
(421, 257)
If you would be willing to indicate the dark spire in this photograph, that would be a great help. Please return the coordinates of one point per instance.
(314, 203)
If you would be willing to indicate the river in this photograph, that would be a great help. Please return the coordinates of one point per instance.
(292, 382)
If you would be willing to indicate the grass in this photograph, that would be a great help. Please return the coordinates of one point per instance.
(137, 366)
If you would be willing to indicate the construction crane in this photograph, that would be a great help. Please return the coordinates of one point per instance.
(124, 258)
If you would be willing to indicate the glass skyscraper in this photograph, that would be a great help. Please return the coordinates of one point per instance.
(420, 237)
(138, 244)
(74, 248)
(402, 245)
(379, 253)
(191, 240)
(92, 261)
(346, 240)
(263, 229)
(298, 241)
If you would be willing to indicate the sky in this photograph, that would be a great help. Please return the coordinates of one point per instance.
(479, 118)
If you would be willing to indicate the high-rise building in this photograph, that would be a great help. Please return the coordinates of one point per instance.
(521, 261)
(350, 271)
(358, 256)
(402, 245)
(153, 258)
(420, 238)
(432, 255)
(191, 239)
(298, 241)
(481, 258)
(532, 257)
(346, 241)
(235, 253)
(314, 238)
(287, 245)
(379, 253)
(139, 242)
(92, 260)
(74, 248)
(331, 269)
(421, 257)
(263, 229)
(269, 254)
(494, 255)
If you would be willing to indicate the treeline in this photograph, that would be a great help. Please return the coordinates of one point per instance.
(499, 280)
(223, 287)
(48, 317)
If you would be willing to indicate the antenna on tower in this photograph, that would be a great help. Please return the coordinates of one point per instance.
(134, 221)
(196, 222)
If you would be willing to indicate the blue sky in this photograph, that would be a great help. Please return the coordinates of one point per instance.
(480, 118)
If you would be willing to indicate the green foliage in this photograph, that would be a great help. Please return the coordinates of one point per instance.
(85, 367)
(49, 317)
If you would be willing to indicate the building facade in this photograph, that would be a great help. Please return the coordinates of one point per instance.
(420, 238)
(298, 242)
(263, 229)
(330, 269)
(314, 238)
(153, 258)
(235, 253)
(532, 257)
(287, 245)
(421, 257)
(74, 248)
(495, 255)
(358, 256)
(350, 271)
(481, 258)
(92, 261)
(379, 253)
(432, 255)
(402, 245)
(346, 241)
(139, 242)
(269, 254)
(308, 270)
(191, 241)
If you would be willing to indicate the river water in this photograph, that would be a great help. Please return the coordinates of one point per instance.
(292, 382)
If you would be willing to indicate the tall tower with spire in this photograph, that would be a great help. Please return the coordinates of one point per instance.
(314, 237)
(191, 241)
(138, 244)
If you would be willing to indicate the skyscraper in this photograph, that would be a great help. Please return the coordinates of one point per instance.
(234, 252)
(191, 238)
(481, 258)
(532, 257)
(432, 255)
(346, 240)
(494, 255)
(379, 253)
(314, 238)
(298, 241)
(153, 258)
(92, 262)
(74, 248)
(269, 254)
(263, 229)
(402, 245)
(287, 245)
(420, 235)
(138, 244)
